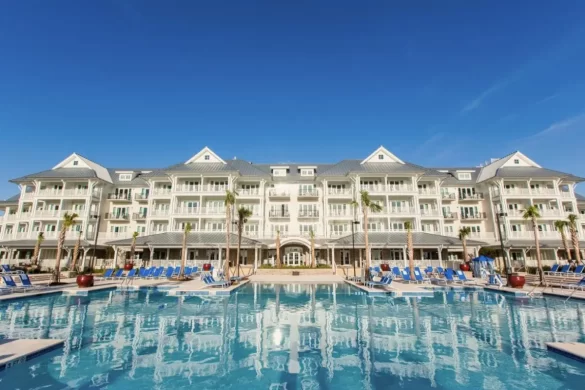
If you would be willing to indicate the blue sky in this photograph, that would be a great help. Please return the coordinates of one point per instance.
(149, 83)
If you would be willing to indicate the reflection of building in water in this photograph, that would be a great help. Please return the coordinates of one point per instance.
(299, 329)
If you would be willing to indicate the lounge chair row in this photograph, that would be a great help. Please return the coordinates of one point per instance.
(429, 275)
(558, 270)
(150, 273)
(10, 286)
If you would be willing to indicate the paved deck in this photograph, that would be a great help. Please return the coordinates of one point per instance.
(396, 289)
(19, 351)
(198, 287)
(573, 350)
(286, 279)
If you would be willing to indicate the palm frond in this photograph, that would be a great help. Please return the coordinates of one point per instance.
(532, 212)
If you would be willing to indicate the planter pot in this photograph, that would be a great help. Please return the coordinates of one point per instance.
(516, 281)
(207, 267)
(464, 267)
(128, 267)
(84, 281)
(385, 267)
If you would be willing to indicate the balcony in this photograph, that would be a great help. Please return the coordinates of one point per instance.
(400, 188)
(473, 217)
(188, 188)
(249, 191)
(308, 213)
(542, 191)
(47, 213)
(118, 235)
(139, 216)
(373, 188)
(27, 195)
(565, 194)
(426, 213)
(338, 213)
(80, 213)
(339, 192)
(401, 210)
(116, 217)
(543, 213)
(141, 197)
(430, 191)
(449, 215)
(213, 211)
(51, 193)
(470, 197)
(159, 213)
(278, 214)
(514, 192)
(161, 192)
(278, 194)
(187, 210)
(120, 197)
(529, 235)
(308, 193)
(214, 188)
(448, 197)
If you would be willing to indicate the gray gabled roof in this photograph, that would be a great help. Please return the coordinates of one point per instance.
(580, 198)
(46, 244)
(451, 178)
(544, 244)
(60, 173)
(533, 172)
(175, 239)
(345, 167)
(12, 200)
(137, 177)
(398, 239)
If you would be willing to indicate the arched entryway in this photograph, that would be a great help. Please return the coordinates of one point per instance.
(294, 255)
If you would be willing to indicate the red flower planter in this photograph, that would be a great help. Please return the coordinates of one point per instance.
(464, 267)
(207, 267)
(516, 281)
(128, 266)
(84, 281)
(385, 267)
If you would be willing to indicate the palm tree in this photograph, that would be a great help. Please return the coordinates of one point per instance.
(76, 252)
(229, 202)
(561, 226)
(410, 248)
(533, 213)
(68, 221)
(464, 232)
(243, 215)
(278, 263)
(186, 232)
(313, 261)
(367, 205)
(574, 236)
(133, 246)
(37, 251)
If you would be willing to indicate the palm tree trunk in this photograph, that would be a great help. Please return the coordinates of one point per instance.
(367, 245)
(575, 240)
(60, 244)
(278, 263)
(183, 255)
(36, 252)
(75, 254)
(464, 241)
(313, 262)
(566, 245)
(537, 244)
(240, 227)
(410, 247)
(227, 241)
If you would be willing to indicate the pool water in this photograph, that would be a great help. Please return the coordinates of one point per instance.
(295, 337)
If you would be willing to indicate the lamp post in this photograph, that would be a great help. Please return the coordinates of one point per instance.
(506, 260)
(353, 223)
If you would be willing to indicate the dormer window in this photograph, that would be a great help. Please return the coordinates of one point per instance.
(464, 176)
(516, 161)
(206, 157)
(307, 172)
(125, 176)
(75, 163)
(380, 157)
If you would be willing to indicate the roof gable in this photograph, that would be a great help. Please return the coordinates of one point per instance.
(490, 170)
(206, 155)
(382, 155)
(77, 161)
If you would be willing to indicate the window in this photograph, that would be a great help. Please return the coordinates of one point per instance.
(125, 176)
(307, 172)
(279, 172)
(448, 230)
(516, 161)
(75, 163)
(464, 176)
(206, 157)
(380, 157)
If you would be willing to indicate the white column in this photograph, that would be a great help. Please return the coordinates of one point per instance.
(219, 258)
(404, 255)
(440, 252)
(255, 258)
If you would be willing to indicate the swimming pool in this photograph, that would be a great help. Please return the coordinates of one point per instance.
(295, 337)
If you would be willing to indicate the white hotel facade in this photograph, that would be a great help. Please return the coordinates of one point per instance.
(293, 199)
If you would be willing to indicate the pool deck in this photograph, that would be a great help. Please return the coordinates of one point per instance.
(303, 279)
(19, 351)
(198, 287)
(573, 350)
(396, 289)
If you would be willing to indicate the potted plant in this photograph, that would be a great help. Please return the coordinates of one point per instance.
(463, 233)
(516, 280)
(130, 263)
(84, 280)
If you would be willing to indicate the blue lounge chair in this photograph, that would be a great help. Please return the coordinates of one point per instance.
(177, 270)
(406, 276)
(25, 280)
(429, 270)
(563, 271)
(129, 276)
(170, 272)
(385, 281)
(209, 281)
(440, 271)
(5, 268)
(108, 273)
(188, 271)
(12, 286)
(463, 278)
(195, 271)
(145, 273)
(579, 269)
(419, 276)
(157, 273)
(396, 272)
(580, 285)
(553, 269)
(116, 275)
(449, 276)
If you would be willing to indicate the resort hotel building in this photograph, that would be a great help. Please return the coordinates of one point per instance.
(302, 204)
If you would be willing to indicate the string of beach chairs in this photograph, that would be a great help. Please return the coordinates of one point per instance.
(438, 275)
(150, 273)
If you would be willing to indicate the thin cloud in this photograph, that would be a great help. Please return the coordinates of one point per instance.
(548, 98)
(562, 126)
(475, 103)
(429, 143)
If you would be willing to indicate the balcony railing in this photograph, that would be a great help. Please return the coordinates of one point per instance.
(448, 196)
(159, 213)
(161, 192)
(187, 210)
(400, 188)
(141, 197)
(118, 235)
(308, 213)
(214, 188)
(449, 215)
(278, 193)
(470, 197)
(120, 197)
(543, 191)
(516, 191)
(51, 192)
(308, 193)
(339, 191)
(338, 213)
(475, 216)
(47, 213)
(213, 210)
(139, 216)
(427, 191)
(188, 188)
(117, 217)
(529, 234)
(402, 210)
(248, 191)
(430, 212)
(373, 188)
(565, 194)
(278, 214)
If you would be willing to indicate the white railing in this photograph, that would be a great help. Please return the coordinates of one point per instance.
(337, 233)
(47, 213)
(565, 194)
(530, 234)
(118, 235)
(278, 193)
(551, 213)
(28, 195)
(159, 213)
(373, 188)
(477, 196)
(338, 213)
(399, 188)
(339, 191)
(161, 191)
(214, 188)
(248, 191)
(428, 191)
(430, 212)
(448, 196)
(213, 210)
(80, 213)
(543, 191)
(516, 191)
(187, 210)
(76, 192)
(401, 210)
(140, 197)
(311, 193)
(449, 215)
(51, 192)
(186, 188)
